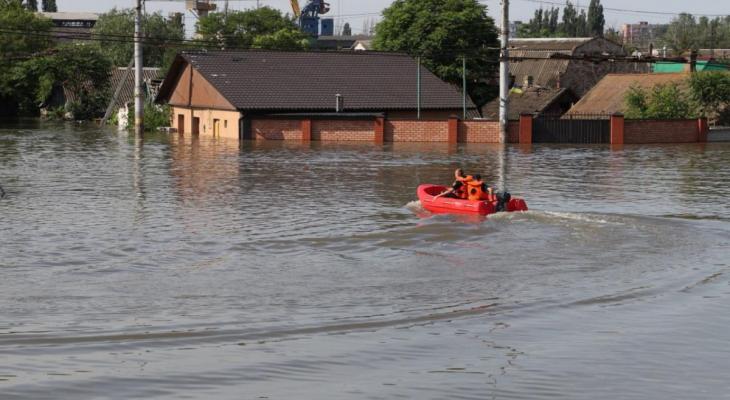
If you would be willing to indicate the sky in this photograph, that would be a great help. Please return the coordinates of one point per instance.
(356, 12)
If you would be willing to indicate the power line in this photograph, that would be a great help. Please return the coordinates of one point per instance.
(479, 54)
(624, 10)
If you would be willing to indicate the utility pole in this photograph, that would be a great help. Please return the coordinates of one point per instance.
(138, 106)
(504, 73)
(418, 87)
(463, 85)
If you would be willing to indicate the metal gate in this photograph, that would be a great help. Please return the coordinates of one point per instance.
(571, 129)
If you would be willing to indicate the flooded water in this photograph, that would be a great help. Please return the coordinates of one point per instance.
(177, 268)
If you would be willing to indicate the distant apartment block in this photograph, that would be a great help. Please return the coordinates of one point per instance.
(642, 34)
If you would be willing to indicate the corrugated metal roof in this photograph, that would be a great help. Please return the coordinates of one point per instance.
(70, 16)
(566, 44)
(273, 80)
(126, 94)
(608, 96)
(544, 72)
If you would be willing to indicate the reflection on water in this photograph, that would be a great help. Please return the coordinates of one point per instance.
(190, 267)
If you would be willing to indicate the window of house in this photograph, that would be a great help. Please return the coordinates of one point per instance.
(225, 123)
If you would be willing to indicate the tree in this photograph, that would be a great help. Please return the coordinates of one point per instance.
(581, 25)
(17, 46)
(16, 20)
(78, 68)
(49, 6)
(283, 39)
(553, 22)
(682, 34)
(596, 20)
(31, 5)
(161, 36)
(441, 33)
(661, 102)
(239, 29)
(711, 90)
(346, 30)
(570, 18)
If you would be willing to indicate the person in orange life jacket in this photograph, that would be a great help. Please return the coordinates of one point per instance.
(457, 191)
(478, 190)
(460, 176)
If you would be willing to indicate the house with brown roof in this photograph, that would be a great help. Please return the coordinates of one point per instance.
(222, 93)
(532, 100)
(609, 95)
(552, 62)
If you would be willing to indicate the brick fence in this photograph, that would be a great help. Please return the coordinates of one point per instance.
(453, 130)
(664, 131)
(381, 130)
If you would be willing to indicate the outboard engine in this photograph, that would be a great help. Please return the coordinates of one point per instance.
(502, 201)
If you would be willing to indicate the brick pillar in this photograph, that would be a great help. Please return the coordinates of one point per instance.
(525, 129)
(617, 129)
(379, 128)
(702, 129)
(453, 129)
(306, 130)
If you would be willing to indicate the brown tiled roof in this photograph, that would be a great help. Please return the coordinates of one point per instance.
(274, 80)
(608, 96)
(532, 100)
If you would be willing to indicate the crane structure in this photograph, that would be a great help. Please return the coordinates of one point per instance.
(309, 20)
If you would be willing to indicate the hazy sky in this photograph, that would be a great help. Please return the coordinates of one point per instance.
(357, 11)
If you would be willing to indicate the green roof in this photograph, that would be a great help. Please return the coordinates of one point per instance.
(670, 66)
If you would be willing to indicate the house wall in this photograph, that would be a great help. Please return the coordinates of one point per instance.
(661, 131)
(193, 90)
(228, 121)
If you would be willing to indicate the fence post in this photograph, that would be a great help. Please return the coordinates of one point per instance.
(379, 130)
(453, 129)
(525, 128)
(306, 129)
(702, 129)
(617, 128)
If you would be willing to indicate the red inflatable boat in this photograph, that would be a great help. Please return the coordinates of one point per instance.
(427, 194)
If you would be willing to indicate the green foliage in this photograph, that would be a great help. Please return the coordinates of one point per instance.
(711, 90)
(440, 32)
(347, 30)
(596, 20)
(49, 6)
(155, 116)
(283, 39)
(79, 69)
(545, 22)
(31, 5)
(240, 29)
(162, 36)
(17, 47)
(686, 33)
(661, 102)
(15, 17)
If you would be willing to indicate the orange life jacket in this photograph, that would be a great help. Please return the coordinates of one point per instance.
(474, 188)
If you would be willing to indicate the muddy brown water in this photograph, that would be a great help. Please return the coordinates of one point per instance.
(177, 268)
